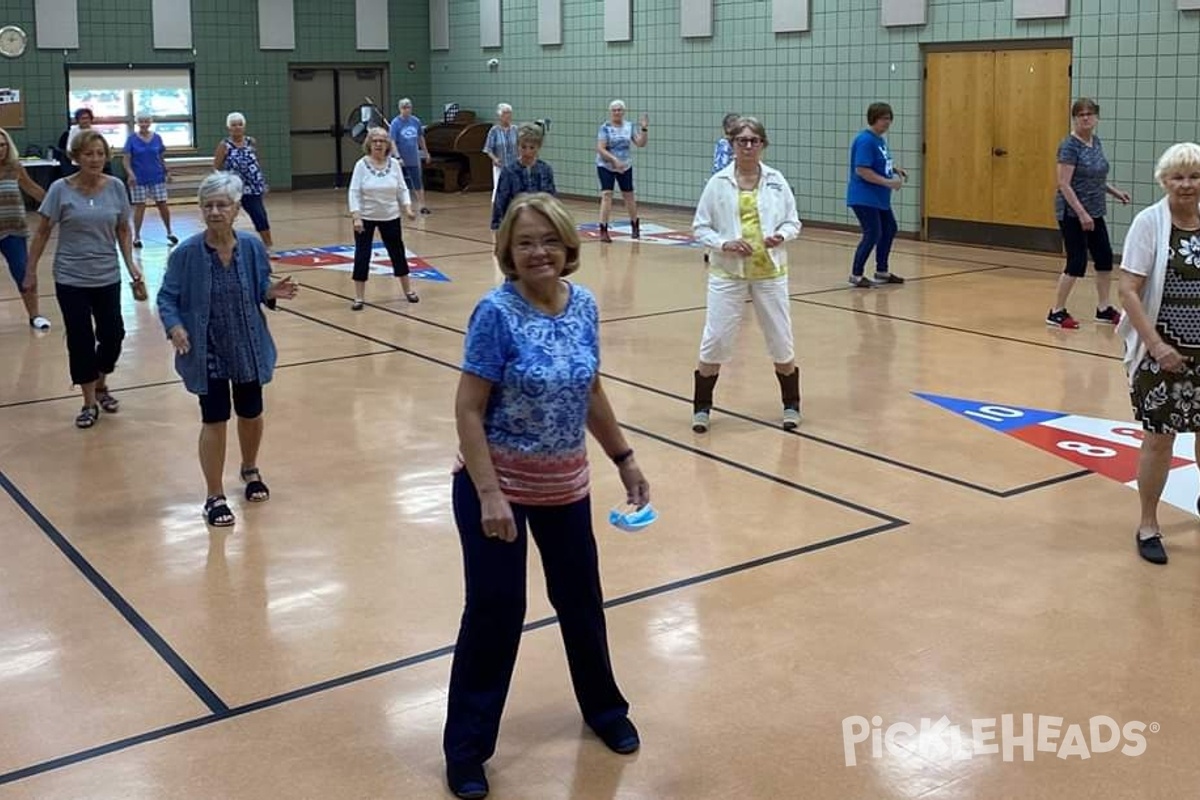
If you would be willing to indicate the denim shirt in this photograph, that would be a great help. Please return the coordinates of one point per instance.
(186, 299)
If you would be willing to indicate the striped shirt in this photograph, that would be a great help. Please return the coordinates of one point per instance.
(12, 205)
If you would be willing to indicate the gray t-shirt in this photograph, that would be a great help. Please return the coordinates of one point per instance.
(87, 232)
(1090, 180)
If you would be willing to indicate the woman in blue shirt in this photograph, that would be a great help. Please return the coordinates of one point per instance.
(614, 164)
(529, 392)
(146, 176)
(873, 177)
(210, 306)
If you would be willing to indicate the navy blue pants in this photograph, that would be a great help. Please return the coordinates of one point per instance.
(879, 230)
(495, 613)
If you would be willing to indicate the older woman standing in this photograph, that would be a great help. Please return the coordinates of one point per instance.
(13, 229)
(614, 164)
(501, 144)
(239, 153)
(528, 175)
(873, 178)
(91, 210)
(146, 176)
(1160, 291)
(745, 215)
(529, 391)
(214, 289)
(1079, 206)
(408, 134)
(377, 191)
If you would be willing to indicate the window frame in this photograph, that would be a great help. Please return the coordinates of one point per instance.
(130, 118)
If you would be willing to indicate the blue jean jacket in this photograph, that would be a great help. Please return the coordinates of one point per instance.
(186, 299)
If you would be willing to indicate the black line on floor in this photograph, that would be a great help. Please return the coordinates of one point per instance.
(846, 287)
(156, 384)
(123, 607)
(380, 307)
(941, 326)
(352, 332)
(420, 658)
(1042, 484)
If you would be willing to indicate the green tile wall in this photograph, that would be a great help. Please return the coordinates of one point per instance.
(231, 73)
(1139, 58)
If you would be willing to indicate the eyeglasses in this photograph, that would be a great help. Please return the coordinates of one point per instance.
(748, 141)
(549, 245)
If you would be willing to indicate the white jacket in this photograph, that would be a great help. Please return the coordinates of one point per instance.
(718, 216)
(1146, 252)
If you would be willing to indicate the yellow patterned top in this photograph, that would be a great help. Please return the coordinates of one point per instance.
(758, 265)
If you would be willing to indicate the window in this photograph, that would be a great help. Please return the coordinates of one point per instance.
(117, 96)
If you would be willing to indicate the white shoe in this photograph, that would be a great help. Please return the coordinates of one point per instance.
(39, 323)
(700, 422)
(791, 419)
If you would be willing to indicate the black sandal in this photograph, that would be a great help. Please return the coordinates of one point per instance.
(88, 417)
(106, 401)
(256, 490)
(412, 297)
(217, 510)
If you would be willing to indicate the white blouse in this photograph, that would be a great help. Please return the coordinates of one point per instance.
(377, 194)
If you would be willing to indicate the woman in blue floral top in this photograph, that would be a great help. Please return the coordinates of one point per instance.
(210, 305)
(527, 175)
(530, 390)
(239, 153)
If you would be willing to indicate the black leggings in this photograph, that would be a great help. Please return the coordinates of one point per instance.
(393, 240)
(1078, 242)
(91, 351)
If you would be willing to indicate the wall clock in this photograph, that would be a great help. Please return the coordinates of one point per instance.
(13, 41)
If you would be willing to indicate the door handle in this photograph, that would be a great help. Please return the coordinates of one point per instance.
(999, 151)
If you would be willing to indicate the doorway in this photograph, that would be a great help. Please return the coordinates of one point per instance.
(321, 98)
(993, 121)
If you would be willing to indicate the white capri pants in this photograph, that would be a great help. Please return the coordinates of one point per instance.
(495, 180)
(726, 306)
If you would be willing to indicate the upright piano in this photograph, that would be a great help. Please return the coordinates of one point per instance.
(457, 162)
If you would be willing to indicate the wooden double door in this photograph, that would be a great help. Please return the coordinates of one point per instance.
(993, 122)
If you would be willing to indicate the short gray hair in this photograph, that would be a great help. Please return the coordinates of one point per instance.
(1185, 155)
(145, 115)
(404, 103)
(500, 109)
(615, 104)
(530, 132)
(235, 116)
(221, 184)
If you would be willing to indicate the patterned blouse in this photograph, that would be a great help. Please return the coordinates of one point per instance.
(232, 350)
(502, 143)
(519, 179)
(1179, 314)
(12, 205)
(542, 368)
(244, 161)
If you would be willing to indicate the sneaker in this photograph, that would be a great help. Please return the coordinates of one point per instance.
(1061, 319)
(425, 211)
(467, 781)
(172, 239)
(882, 278)
(39, 323)
(700, 422)
(791, 419)
(1151, 548)
(1109, 315)
(357, 305)
(137, 243)
(859, 282)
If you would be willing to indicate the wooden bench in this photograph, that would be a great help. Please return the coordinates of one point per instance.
(186, 174)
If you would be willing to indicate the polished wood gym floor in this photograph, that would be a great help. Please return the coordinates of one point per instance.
(888, 560)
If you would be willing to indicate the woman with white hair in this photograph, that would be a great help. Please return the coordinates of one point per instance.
(408, 134)
(214, 289)
(1160, 291)
(501, 144)
(238, 153)
(377, 192)
(146, 176)
(614, 164)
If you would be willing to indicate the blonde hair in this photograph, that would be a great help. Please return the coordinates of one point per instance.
(1185, 155)
(375, 132)
(11, 157)
(85, 139)
(554, 212)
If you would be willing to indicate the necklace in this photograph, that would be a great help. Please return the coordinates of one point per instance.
(377, 171)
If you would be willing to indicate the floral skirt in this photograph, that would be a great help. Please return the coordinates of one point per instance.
(1167, 402)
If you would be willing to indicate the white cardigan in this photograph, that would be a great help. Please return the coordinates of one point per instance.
(1146, 252)
(718, 217)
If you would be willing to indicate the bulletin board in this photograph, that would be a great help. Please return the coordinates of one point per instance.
(12, 108)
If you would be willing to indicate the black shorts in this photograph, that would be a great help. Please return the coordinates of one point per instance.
(215, 404)
(608, 178)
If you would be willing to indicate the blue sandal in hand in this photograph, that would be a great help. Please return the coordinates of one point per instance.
(256, 490)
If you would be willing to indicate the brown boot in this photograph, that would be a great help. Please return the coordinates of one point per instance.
(702, 400)
(789, 393)
(636, 225)
(604, 237)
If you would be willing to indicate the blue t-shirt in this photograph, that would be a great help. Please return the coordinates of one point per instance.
(146, 159)
(722, 155)
(1090, 179)
(406, 133)
(869, 150)
(618, 140)
(542, 368)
